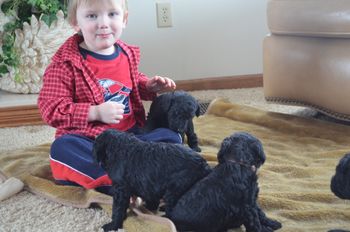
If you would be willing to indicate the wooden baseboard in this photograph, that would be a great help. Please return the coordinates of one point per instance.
(232, 82)
(29, 114)
(20, 116)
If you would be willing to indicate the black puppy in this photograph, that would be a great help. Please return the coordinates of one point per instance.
(227, 197)
(340, 183)
(149, 170)
(175, 110)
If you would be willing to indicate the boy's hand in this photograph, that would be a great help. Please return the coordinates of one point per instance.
(107, 112)
(160, 84)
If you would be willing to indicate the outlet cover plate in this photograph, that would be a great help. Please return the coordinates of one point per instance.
(164, 17)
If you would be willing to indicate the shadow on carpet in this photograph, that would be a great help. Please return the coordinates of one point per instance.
(294, 181)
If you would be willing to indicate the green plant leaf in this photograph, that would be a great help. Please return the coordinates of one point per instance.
(22, 10)
(11, 27)
(18, 78)
(3, 69)
(48, 18)
(7, 6)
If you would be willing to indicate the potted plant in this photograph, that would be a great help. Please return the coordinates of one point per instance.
(30, 32)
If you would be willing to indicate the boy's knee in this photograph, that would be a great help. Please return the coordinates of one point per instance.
(161, 135)
(169, 135)
(178, 138)
(60, 144)
(67, 144)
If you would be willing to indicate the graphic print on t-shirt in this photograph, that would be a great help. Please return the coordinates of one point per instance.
(116, 92)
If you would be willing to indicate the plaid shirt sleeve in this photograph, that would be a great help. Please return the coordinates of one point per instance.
(55, 100)
(144, 93)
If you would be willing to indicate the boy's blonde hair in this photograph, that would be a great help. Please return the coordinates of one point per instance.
(73, 5)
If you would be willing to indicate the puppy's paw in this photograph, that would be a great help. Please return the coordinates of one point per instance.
(110, 227)
(196, 148)
(273, 224)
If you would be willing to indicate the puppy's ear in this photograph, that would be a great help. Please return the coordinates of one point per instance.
(169, 102)
(225, 149)
(258, 153)
(99, 150)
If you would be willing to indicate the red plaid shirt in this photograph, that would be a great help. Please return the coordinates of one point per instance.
(70, 88)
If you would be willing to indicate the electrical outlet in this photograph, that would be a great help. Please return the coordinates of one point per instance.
(164, 14)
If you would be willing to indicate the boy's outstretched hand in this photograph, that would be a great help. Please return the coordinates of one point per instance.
(158, 84)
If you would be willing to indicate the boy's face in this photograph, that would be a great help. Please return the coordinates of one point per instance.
(101, 24)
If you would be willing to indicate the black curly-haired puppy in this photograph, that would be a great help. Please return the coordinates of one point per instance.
(175, 110)
(145, 169)
(340, 182)
(227, 197)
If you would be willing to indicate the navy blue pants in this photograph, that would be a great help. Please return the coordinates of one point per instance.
(72, 163)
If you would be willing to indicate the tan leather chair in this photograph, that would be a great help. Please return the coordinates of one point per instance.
(307, 55)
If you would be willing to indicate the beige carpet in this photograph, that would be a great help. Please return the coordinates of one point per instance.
(28, 212)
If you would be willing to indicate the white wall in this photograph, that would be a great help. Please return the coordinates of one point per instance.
(209, 38)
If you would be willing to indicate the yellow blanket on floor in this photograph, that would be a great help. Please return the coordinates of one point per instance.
(294, 181)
